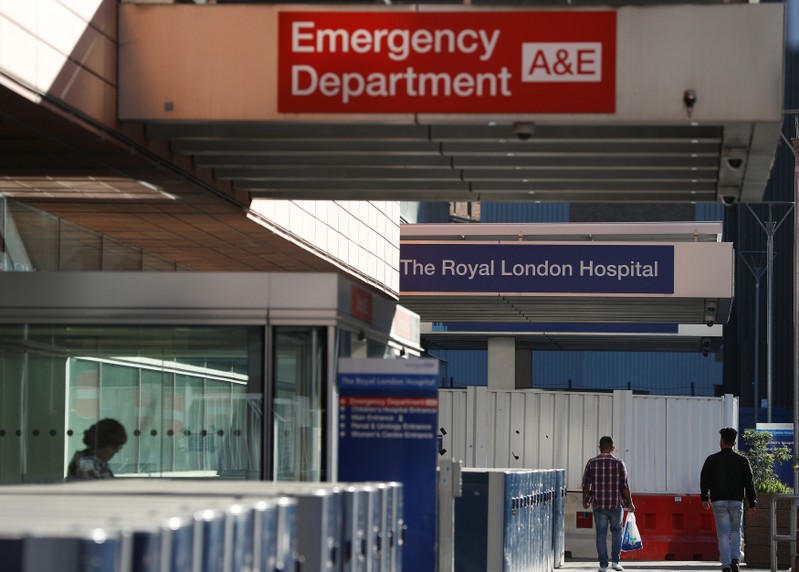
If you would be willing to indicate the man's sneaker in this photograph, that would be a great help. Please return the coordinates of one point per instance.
(617, 566)
(603, 569)
(734, 565)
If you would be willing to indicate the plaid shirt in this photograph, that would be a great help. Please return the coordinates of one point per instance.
(605, 478)
(85, 465)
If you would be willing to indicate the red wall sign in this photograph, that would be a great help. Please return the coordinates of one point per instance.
(361, 304)
(447, 62)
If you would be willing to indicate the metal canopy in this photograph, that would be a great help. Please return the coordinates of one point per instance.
(689, 314)
(693, 231)
(463, 162)
(695, 113)
(563, 309)
(562, 341)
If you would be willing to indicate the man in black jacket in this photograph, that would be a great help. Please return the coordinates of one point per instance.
(726, 477)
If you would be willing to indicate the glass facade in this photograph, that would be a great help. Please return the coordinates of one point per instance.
(190, 398)
(31, 240)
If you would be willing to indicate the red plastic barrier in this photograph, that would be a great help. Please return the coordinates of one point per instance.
(674, 527)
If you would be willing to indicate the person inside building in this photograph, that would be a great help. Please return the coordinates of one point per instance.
(725, 478)
(103, 440)
(606, 490)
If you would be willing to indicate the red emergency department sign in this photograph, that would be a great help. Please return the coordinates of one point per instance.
(447, 62)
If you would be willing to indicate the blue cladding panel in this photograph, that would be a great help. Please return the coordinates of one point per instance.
(99, 556)
(530, 520)
(266, 537)
(287, 536)
(181, 542)
(471, 523)
(558, 519)
(462, 368)
(655, 373)
(213, 542)
(709, 211)
(146, 551)
(243, 536)
(524, 212)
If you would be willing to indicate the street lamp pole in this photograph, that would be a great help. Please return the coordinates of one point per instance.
(770, 227)
(757, 271)
(795, 147)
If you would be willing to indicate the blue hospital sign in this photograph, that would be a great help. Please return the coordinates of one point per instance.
(527, 268)
(388, 410)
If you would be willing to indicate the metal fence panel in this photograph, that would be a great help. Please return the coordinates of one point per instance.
(663, 440)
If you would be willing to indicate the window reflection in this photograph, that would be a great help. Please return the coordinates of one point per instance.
(189, 398)
(298, 405)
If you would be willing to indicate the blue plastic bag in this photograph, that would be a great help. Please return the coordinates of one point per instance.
(631, 538)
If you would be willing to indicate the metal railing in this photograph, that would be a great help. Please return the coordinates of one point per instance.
(782, 537)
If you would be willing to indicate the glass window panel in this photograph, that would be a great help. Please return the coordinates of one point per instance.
(218, 409)
(36, 240)
(298, 404)
(44, 407)
(118, 256)
(183, 394)
(14, 379)
(186, 425)
(239, 455)
(148, 423)
(38, 232)
(79, 249)
(119, 385)
(84, 400)
(13, 255)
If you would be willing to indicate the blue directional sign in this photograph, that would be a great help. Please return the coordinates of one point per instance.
(388, 410)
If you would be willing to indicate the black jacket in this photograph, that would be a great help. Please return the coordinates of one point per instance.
(727, 475)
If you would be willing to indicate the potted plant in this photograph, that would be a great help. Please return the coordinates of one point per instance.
(757, 529)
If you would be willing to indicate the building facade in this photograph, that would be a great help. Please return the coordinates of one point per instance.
(152, 137)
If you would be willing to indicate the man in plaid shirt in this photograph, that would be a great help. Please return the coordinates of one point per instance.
(606, 490)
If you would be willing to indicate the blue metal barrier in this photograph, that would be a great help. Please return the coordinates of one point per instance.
(559, 519)
(510, 520)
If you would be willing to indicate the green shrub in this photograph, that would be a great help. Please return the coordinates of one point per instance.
(762, 458)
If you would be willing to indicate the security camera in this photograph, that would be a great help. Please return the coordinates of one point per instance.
(733, 162)
(523, 131)
(728, 196)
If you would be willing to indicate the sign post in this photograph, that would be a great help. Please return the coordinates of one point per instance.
(388, 411)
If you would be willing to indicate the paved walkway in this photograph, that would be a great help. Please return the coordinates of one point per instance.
(657, 566)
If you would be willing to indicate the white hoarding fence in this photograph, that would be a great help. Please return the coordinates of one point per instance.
(663, 439)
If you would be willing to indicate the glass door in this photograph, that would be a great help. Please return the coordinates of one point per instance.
(298, 403)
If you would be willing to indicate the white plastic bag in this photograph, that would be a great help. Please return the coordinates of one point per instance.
(631, 538)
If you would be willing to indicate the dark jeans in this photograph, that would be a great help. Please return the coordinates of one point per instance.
(604, 518)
